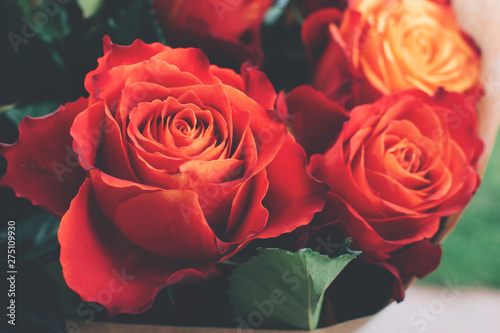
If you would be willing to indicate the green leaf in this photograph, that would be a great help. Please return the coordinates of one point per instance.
(90, 7)
(38, 234)
(275, 12)
(279, 287)
(134, 21)
(17, 113)
(47, 18)
(27, 6)
(7, 107)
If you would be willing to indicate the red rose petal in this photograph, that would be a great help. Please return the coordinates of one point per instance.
(315, 119)
(328, 55)
(139, 92)
(418, 260)
(117, 55)
(248, 215)
(258, 87)
(110, 85)
(247, 151)
(102, 266)
(228, 77)
(360, 230)
(294, 196)
(217, 99)
(315, 33)
(460, 116)
(42, 165)
(217, 171)
(331, 169)
(411, 228)
(189, 60)
(97, 136)
(172, 217)
(267, 127)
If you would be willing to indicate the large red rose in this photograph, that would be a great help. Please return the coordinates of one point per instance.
(228, 31)
(396, 169)
(177, 164)
(379, 47)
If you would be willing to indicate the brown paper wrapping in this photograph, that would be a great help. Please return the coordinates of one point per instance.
(347, 327)
(480, 19)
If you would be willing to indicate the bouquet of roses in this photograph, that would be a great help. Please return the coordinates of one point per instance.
(254, 164)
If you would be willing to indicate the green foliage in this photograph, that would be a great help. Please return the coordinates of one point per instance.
(41, 243)
(17, 114)
(135, 21)
(90, 7)
(276, 11)
(50, 46)
(37, 249)
(279, 287)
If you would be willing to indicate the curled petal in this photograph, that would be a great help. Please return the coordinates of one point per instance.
(42, 165)
(418, 260)
(107, 268)
(294, 196)
(172, 217)
(258, 87)
(315, 119)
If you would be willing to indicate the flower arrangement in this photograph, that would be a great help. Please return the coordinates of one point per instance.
(240, 164)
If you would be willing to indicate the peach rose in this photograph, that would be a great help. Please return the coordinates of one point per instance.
(389, 46)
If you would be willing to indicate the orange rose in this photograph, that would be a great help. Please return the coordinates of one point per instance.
(397, 167)
(390, 46)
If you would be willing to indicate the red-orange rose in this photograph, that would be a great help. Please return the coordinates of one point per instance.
(397, 167)
(178, 165)
(228, 31)
(381, 47)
